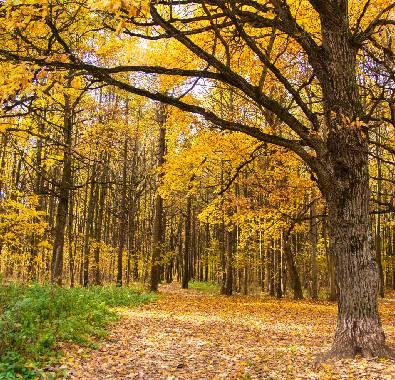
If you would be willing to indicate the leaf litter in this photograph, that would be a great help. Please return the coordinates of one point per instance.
(187, 334)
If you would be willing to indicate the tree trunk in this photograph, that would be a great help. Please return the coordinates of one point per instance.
(123, 215)
(314, 244)
(278, 271)
(157, 236)
(187, 244)
(100, 218)
(359, 328)
(4, 141)
(70, 242)
(346, 189)
(170, 264)
(223, 255)
(261, 262)
(89, 226)
(333, 288)
(206, 250)
(271, 271)
(63, 197)
(378, 239)
(245, 280)
(230, 246)
(38, 190)
(292, 270)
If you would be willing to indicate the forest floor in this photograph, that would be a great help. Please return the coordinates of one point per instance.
(188, 334)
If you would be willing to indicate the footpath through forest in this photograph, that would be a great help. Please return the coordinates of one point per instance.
(187, 334)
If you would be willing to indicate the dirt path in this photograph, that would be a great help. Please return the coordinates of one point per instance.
(189, 335)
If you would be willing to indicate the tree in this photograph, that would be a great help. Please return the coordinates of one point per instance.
(320, 113)
(64, 194)
(158, 228)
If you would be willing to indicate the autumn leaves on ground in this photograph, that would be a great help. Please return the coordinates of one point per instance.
(190, 334)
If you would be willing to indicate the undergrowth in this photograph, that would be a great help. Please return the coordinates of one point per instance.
(205, 287)
(35, 319)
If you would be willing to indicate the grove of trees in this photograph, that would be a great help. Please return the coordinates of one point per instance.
(249, 143)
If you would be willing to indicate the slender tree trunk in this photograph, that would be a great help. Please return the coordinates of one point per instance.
(130, 240)
(123, 215)
(157, 236)
(38, 187)
(100, 218)
(206, 254)
(278, 270)
(292, 270)
(82, 228)
(132, 262)
(230, 246)
(187, 244)
(271, 263)
(136, 242)
(70, 241)
(63, 196)
(180, 252)
(222, 234)
(170, 264)
(261, 261)
(245, 279)
(223, 255)
(314, 243)
(192, 246)
(89, 226)
(4, 143)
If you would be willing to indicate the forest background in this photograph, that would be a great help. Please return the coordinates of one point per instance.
(228, 142)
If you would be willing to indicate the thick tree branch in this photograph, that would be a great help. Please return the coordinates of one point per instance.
(238, 81)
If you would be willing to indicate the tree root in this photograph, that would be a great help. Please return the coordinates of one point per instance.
(333, 354)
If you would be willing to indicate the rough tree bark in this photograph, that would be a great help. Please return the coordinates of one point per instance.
(333, 288)
(379, 188)
(359, 329)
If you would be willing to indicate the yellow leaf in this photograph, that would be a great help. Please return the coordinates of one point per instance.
(76, 83)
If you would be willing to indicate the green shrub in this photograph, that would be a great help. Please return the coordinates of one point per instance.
(35, 318)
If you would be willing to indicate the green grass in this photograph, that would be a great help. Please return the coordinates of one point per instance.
(205, 287)
(34, 319)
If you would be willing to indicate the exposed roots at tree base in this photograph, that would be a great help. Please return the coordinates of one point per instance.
(337, 353)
